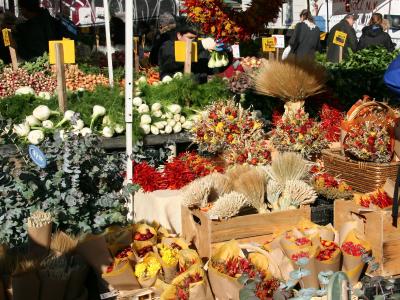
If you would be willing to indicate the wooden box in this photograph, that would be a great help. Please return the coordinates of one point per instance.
(378, 230)
(207, 234)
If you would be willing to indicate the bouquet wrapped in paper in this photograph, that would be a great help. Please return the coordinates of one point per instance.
(53, 278)
(121, 276)
(328, 257)
(147, 270)
(353, 249)
(228, 263)
(190, 285)
(39, 231)
(378, 199)
(144, 238)
(169, 256)
(188, 258)
(297, 246)
(118, 238)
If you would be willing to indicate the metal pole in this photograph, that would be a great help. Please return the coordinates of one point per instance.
(327, 15)
(129, 91)
(108, 42)
(16, 8)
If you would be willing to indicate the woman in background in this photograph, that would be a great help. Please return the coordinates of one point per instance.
(305, 40)
(374, 35)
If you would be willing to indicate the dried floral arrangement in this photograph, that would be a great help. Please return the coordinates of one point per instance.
(286, 188)
(227, 128)
(378, 199)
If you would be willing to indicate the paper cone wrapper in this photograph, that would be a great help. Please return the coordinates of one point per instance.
(142, 228)
(122, 277)
(290, 247)
(138, 245)
(159, 286)
(41, 236)
(327, 233)
(170, 272)
(188, 258)
(200, 291)
(26, 286)
(76, 283)
(332, 264)
(178, 241)
(94, 250)
(122, 236)
(353, 267)
(345, 230)
(223, 286)
(51, 288)
(284, 264)
(147, 282)
(310, 281)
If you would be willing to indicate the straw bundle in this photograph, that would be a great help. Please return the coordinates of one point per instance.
(291, 80)
(63, 243)
(228, 205)
(287, 166)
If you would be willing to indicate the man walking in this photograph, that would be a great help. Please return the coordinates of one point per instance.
(346, 26)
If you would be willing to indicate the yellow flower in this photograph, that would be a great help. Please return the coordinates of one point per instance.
(153, 268)
(169, 256)
(257, 125)
(220, 128)
(230, 118)
(343, 187)
(140, 270)
(205, 137)
(301, 137)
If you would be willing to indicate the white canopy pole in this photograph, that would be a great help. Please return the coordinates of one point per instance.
(108, 42)
(129, 90)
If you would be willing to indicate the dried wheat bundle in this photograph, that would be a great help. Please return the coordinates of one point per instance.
(252, 185)
(236, 171)
(220, 185)
(274, 192)
(293, 79)
(297, 193)
(23, 264)
(39, 219)
(228, 205)
(287, 166)
(63, 243)
(196, 193)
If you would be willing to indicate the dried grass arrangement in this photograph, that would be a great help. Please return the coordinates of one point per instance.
(291, 80)
(62, 243)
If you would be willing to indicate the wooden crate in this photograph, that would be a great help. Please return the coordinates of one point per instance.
(206, 233)
(361, 176)
(379, 232)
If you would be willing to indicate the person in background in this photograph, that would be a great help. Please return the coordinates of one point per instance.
(166, 54)
(167, 25)
(346, 26)
(7, 20)
(305, 40)
(373, 35)
(33, 35)
(392, 76)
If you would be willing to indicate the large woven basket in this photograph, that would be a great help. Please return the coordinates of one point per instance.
(361, 176)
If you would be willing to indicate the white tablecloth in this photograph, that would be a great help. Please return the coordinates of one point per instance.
(163, 206)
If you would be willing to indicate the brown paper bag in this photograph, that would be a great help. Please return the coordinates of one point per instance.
(310, 281)
(40, 236)
(25, 286)
(332, 264)
(147, 282)
(51, 288)
(94, 250)
(122, 277)
(223, 286)
(353, 267)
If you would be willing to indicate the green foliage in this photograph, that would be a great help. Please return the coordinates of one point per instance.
(80, 187)
(335, 286)
(186, 92)
(39, 64)
(360, 74)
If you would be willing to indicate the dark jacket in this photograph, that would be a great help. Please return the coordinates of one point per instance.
(351, 41)
(33, 36)
(168, 65)
(305, 40)
(392, 76)
(158, 41)
(374, 35)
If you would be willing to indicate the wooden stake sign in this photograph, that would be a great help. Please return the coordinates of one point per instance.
(268, 44)
(339, 39)
(61, 85)
(186, 52)
(9, 42)
(136, 52)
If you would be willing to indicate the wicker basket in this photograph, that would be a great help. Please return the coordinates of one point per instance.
(361, 176)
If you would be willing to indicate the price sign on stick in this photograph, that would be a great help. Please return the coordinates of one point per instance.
(68, 48)
(279, 41)
(268, 44)
(6, 37)
(180, 51)
(340, 38)
(37, 156)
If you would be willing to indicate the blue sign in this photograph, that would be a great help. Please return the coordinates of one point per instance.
(37, 156)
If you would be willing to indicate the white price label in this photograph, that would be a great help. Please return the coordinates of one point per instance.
(279, 40)
(236, 51)
(109, 295)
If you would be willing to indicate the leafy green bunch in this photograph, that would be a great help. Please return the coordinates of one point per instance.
(80, 186)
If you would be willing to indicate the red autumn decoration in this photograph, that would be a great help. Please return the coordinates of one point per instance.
(176, 174)
(331, 119)
(218, 20)
(353, 249)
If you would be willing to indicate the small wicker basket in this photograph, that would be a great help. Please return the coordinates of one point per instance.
(361, 176)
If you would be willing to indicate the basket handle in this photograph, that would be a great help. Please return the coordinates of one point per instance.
(367, 104)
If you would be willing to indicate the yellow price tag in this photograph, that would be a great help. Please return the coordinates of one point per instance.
(322, 36)
(180, 51)
(268, 44)
(340, 38)
(6, 37)
(69, 51)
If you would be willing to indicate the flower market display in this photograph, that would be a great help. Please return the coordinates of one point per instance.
(269, 181)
